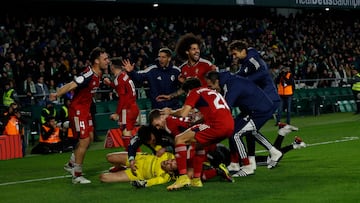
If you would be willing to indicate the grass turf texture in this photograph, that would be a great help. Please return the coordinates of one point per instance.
(326, 171)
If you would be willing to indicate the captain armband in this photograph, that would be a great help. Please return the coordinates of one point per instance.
(80, 79)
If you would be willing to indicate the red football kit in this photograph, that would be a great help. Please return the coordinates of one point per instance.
(127, 108)
(218, 121)
(79, 110)
(198, 70)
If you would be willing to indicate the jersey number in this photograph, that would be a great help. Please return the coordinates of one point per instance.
(219, 101)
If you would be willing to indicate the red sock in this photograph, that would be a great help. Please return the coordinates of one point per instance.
(245, 161)
(180, 154)
(234, 157)
(197, 162)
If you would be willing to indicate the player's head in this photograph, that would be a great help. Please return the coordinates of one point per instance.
(188, 47)
(116, 64)
(169, 166)
(212, 79)
(146, 135)
(191, 83)
(238, 49)
(156, 119)
(164, 57)
(99, 57)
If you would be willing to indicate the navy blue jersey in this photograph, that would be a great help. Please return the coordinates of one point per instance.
(255, 69)
(241, 92)
(160, 81)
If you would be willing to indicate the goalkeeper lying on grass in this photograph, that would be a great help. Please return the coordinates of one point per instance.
(151, 170)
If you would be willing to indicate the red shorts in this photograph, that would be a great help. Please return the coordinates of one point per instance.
(81, 124)
(130, 116)
(206, 135)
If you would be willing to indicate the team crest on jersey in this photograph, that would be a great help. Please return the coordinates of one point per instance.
(197, 71)
(158, 78)
(246, 70)
(172, 78)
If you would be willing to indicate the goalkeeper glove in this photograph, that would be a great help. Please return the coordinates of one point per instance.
(139, 183)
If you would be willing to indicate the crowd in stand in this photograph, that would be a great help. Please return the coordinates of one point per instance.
(50, 50)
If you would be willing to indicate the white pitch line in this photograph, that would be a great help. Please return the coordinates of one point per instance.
(68, 176)
(335, 141)
(327, 142)
(35, 180)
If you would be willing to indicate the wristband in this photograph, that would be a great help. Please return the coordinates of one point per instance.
(131, 158)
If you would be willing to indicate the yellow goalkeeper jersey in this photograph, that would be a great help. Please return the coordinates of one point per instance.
(149, 168)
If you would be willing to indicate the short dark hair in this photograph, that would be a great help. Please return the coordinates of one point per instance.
(49, 118)
(212, 76)
(191, 83)
(116, 61)
(238, 45)
(95, 54)
(167, 51)
(154, 114)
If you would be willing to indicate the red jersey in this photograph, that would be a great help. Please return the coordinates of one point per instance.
(127, 108)
(88, 82)
(125, 90)
(198, 70)
(176, 125)
(212, 105)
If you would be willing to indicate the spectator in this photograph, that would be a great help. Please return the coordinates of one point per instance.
(42, 91)
(50, 139)
(13, 124)
(286, 87)
(355, 81)
(29, 90)
(10, 95)
(48, 110)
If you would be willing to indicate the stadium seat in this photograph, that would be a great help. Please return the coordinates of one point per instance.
(353, 105)
(345, 106)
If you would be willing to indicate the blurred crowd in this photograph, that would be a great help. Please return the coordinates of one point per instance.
(40, 53)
